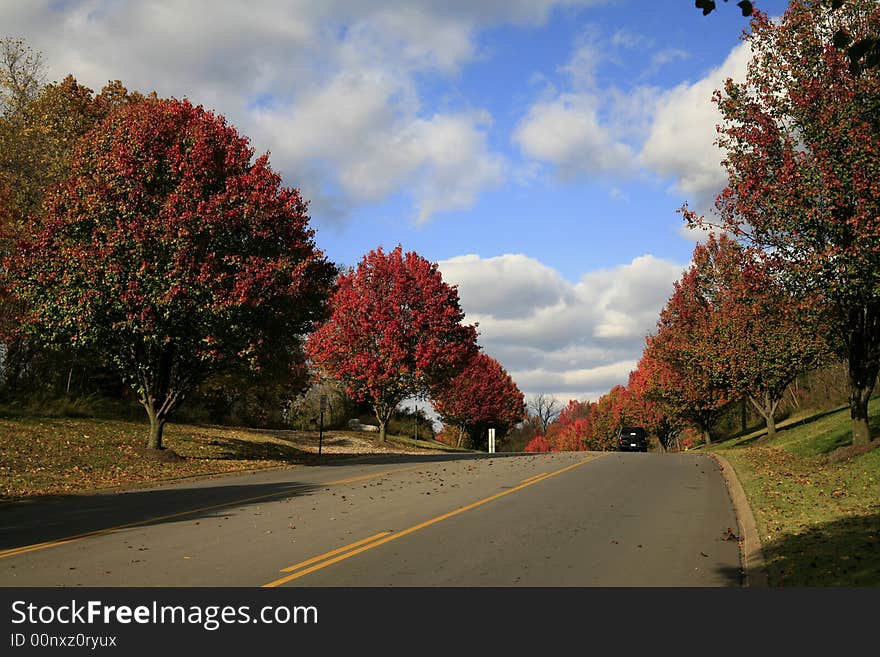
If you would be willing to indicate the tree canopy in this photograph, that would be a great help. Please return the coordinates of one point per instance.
(482, 396)
(395, 331)
(802, 138)
(172, 249)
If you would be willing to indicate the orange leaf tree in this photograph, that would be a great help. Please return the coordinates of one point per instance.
(676, 360)
(763, 335)
(572, 431)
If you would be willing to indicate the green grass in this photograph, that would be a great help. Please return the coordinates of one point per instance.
(818, 513)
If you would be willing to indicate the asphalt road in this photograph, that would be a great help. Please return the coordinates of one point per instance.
(567, 519)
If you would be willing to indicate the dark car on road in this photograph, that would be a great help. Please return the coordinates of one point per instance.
(632, 439)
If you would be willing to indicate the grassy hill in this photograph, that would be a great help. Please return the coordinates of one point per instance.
(816, 501)
(47, 456)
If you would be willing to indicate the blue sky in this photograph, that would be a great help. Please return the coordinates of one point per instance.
(536, 149)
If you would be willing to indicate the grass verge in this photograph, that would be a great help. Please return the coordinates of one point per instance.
(816, 501)
(49, 456)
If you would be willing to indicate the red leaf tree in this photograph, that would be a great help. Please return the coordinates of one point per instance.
(610, 414)
(172, 251)
(538, 444)
(676, 358)
(482, 396)
(573, 430)
(395, 331)
(762, 335)
(803, 160)
(643, 409)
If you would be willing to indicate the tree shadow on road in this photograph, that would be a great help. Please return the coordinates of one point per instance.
(46, 519)
(733, 576)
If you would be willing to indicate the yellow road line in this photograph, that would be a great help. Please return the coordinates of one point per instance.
(427, 523)
(11, 552)
(534, 478)
(327, 555)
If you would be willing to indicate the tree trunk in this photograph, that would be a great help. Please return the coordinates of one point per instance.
(157, 426)
(161, 393)
(861, 385)
(767, 409)
(863, 363)
(858, 411)
(383, 415)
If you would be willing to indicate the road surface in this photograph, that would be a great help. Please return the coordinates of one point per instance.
(562, 519)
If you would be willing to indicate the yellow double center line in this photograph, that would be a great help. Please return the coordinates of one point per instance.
(11, 552)
(340, 554)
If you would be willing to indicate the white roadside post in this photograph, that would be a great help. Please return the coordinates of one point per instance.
(491, 441)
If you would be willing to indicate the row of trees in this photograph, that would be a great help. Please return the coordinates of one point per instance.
(395, 332)
(793, 280)
(730, 331)
(802, 137)
(142, 236)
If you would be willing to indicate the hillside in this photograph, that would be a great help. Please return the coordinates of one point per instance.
(45, 456)
(816, 501)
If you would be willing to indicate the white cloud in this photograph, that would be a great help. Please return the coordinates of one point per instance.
(331, 87)
(584, 130)
(682, 135)
(624, 38)
(568, 133)
(575, 340)
(526, 285)
(588, 130)
(663, 57)
(453, 149)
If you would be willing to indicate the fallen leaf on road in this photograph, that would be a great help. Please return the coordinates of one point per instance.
(729, 535)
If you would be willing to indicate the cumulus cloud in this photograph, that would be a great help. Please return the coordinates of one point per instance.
(331, 88)
(362, 127)
(575, 340)
(681, 145)
(586, 129)
(527, 285)
(568, 129)
(568, 133)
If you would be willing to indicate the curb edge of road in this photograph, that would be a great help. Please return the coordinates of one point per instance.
(754, 568)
